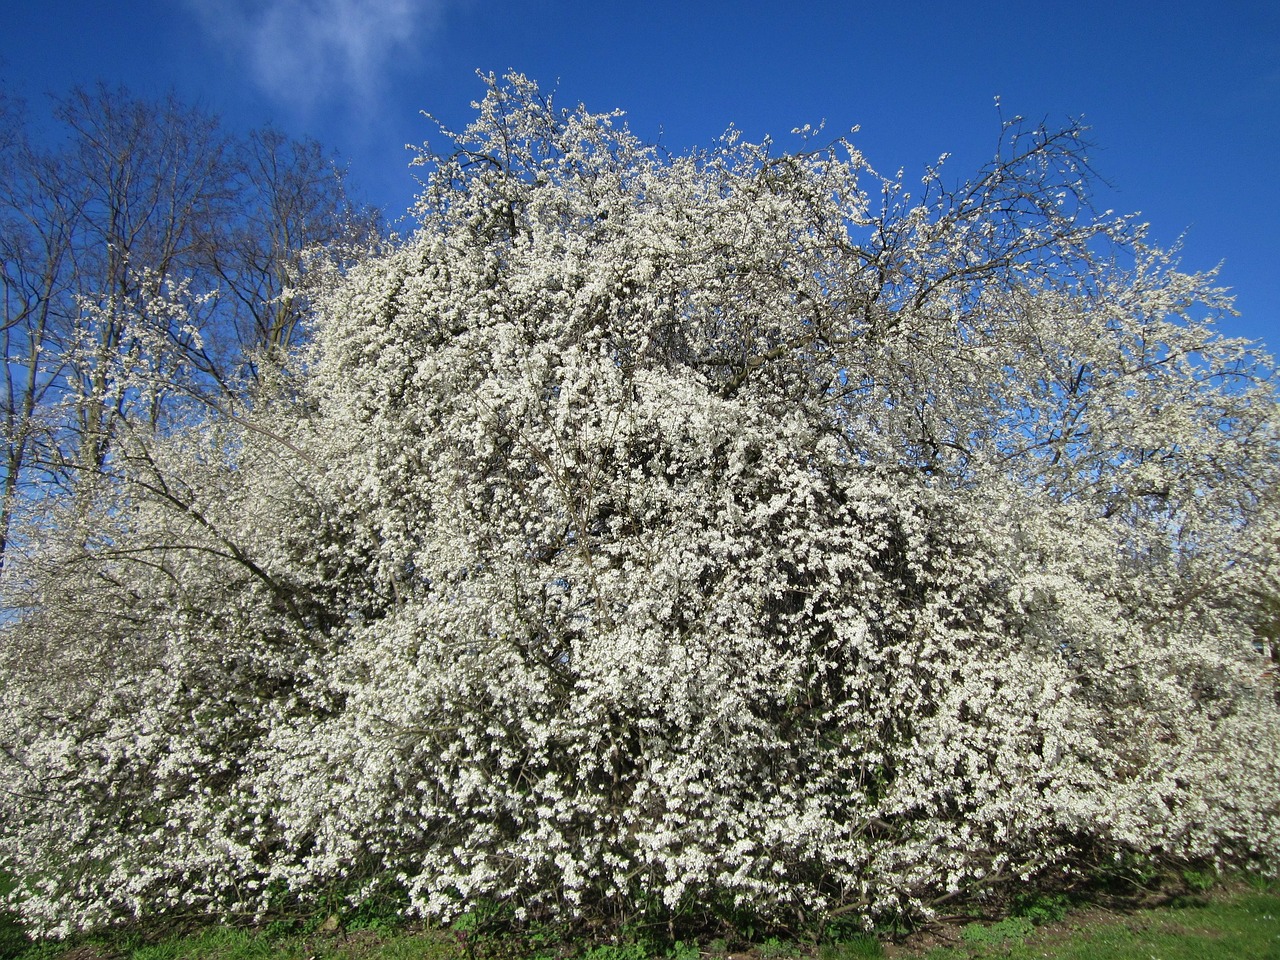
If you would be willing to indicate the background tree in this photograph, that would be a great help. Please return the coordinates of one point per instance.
(292, 207)
(147, 235)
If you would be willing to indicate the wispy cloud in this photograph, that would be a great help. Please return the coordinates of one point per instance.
(304, 52)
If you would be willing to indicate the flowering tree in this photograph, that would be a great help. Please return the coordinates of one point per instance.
(724, 533)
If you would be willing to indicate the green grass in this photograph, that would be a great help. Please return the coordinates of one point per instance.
(1241, 925)
(1245, 926)
(855, 949)
(12, 939)
(231, 943)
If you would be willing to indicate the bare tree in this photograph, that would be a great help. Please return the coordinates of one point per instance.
(142, 204)
(293, 203)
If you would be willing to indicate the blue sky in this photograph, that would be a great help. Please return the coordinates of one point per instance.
(1183, 98)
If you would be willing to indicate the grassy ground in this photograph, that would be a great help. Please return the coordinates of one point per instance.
(1232, 922)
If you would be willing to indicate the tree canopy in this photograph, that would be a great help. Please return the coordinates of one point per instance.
(723, 534)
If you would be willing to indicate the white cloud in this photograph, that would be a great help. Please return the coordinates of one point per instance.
(303, 52)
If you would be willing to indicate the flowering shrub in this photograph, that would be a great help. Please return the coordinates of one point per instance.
(683, 535)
